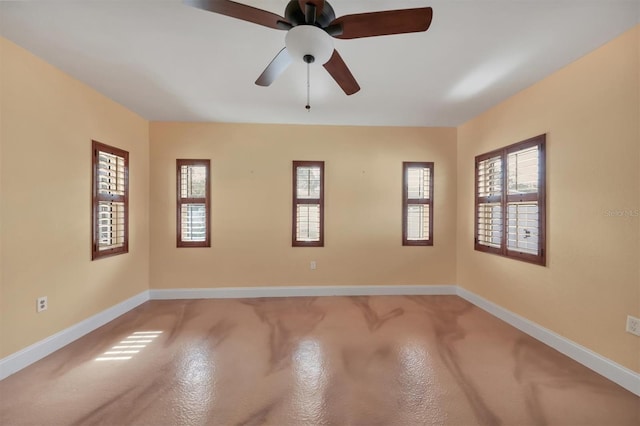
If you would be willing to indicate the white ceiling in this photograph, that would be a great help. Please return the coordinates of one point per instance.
(170, 62)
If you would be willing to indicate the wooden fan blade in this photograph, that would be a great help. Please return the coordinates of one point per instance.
(384, 23)
(275, 68)
(241, 11)
(341, 74)
(319, 4)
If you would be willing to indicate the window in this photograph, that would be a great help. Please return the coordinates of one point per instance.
(417, 204)
(308, 204)
(110, 201)
(510, 201)
(194, 205)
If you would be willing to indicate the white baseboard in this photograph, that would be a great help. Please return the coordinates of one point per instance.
(27, 356)
(617, 373)
(294, 291)
(613, 371)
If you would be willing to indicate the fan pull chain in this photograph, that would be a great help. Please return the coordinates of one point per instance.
(308, 106)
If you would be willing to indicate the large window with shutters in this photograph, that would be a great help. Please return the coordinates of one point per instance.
(308, 204)
(510, 201)
(194, 203)
(110, 201)
(417, 204)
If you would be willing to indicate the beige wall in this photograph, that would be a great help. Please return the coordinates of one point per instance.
(251, 214)
(589, 111)
(48, 121)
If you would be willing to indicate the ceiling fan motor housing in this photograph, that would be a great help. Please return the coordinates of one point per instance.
(296, 16)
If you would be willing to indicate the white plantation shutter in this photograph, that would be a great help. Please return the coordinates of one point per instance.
(417, 203)
(489, 203)
(193, 222)
(110, 225)
(308, 182)
(308, 222)
(490, 224)
(418, 182)
(418, 222)
(490, 177)
(193, 203)
(510, 201)
(522, 167)
(110, 200)
(308, 200)
(522, 200)
(523, 227)
(111, 174)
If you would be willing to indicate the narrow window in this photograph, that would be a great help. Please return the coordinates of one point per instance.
(110, 201)
(417, 204)
(510, 201)
(308, 204)
(194, 203)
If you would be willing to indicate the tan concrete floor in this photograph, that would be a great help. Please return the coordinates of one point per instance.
(385, 360)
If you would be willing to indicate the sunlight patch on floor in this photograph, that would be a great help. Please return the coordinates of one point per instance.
(130, 346)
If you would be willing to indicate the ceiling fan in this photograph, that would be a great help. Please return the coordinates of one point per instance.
(310, 26)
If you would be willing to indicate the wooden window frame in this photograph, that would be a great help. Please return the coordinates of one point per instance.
(406, 201)
(181, 201)
(320, 201)
(504, 199)
(96, 198)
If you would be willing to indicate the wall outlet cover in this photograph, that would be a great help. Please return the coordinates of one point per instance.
(42, 304)
(633, 325)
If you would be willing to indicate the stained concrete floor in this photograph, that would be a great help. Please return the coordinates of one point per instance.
(384, 360)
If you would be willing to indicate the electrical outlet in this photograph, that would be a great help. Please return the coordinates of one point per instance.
(42, 304)
(312, 265)
(633, 325)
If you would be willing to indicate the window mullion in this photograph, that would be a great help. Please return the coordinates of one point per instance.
(516, 198)
(307, 200)
(418, 201)
(187, 200)
(110, 197)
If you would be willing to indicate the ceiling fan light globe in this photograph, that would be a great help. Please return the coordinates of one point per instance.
(309, 40)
